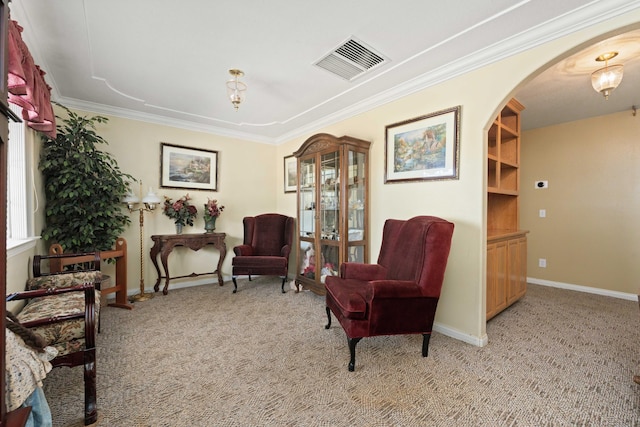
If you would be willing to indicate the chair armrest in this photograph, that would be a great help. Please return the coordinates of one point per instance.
(285, 251)
(243, 250)
(395, 289)
(358, 271)
(43, 292)
(63, 280)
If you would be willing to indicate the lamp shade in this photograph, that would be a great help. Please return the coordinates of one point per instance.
(606, 79)
(151, 198)
(131, 198)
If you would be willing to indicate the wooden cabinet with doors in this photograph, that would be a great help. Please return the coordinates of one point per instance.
(333, 207)
(506, 271)
(506, 243)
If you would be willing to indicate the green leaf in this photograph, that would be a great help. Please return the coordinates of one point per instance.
(83, 187)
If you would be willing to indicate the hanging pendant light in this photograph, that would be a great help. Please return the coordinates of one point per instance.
(236, 88)
(606, 79)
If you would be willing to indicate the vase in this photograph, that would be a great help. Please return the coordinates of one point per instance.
(210, 224)
(178, 228)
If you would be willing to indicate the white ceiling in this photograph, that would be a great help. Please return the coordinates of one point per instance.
(563, 92)
(167, 62)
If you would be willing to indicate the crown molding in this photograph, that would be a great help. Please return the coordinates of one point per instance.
(160, 120)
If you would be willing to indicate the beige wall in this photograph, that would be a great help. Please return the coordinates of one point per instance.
(481, 94)
(247, 179)
(590, 236)
(246, 182)
(251, 177)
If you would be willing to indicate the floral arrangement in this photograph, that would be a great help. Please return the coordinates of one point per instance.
(180, 211)
(212, 209)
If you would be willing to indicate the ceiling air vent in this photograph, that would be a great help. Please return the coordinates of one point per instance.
(350, 60)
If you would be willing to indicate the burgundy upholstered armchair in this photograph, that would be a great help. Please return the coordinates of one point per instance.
(399, 294)
(266, 248)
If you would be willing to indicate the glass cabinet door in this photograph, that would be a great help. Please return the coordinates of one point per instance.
(329, 214)
(307, 194)
(307, 216)
(356, 203)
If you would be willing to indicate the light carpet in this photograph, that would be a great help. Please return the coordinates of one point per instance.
(202, 356)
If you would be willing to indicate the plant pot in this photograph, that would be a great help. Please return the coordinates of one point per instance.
(178, 228)
(210, 224)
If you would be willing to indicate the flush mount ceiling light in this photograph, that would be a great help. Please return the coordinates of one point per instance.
(236, 88)
(606, 79)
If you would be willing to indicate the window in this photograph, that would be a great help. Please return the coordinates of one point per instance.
(19, 183)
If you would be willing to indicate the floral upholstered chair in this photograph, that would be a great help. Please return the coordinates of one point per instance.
(63, 308)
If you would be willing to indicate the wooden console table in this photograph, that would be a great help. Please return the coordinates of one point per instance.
(163, 244)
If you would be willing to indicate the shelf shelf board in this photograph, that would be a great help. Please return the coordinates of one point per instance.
(495, 190)
(505, 234)
(511, 164)
(512, 132)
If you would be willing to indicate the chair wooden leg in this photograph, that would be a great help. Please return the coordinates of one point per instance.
(284, 279)
(425, 344)
(352, 350)
(235, 284)
(90, 401)
(328, 325)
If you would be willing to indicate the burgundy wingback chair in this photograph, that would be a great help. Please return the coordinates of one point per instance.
(266, 248)
(400, 293)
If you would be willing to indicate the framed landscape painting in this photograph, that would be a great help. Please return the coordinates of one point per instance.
(423, 148)
(290, 174)
(186, 167)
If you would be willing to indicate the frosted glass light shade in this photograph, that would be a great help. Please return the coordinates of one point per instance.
(131, 198)
(606, 79)
(151, 197)
(151, 200)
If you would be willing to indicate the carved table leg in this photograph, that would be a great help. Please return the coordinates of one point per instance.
(223, 253)
(164, 257)
(154, 259)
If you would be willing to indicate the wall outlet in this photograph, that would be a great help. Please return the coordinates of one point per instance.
(541, 184)
(542, 263)
(542, 213)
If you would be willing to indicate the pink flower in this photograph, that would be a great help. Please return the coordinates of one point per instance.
(180, 211)
(212, 209)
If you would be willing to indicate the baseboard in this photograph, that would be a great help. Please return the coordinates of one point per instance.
(461, 336)
(586, 289)
(483, 340)
(181, 283)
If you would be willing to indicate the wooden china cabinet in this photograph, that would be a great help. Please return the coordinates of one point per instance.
(506, 243)
(333, 207)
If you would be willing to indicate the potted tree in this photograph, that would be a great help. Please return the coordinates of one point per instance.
(84, 187)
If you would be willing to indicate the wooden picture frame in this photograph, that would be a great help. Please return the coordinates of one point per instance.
(188, 167)
(423, 148)
(290, 174)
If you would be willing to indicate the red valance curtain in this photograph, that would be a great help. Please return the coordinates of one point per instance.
(26, 85)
